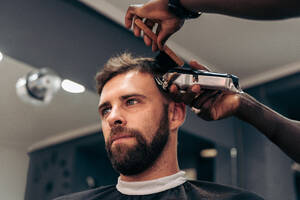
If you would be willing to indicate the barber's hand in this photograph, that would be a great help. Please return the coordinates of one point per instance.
(155, 11)
(207, 104)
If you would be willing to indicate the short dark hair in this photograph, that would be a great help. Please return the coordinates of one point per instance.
(122, 64)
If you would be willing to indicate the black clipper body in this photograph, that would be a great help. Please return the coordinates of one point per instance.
(185, 77)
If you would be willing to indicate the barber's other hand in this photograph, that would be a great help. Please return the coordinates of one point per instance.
(207, 104)
(155, 11)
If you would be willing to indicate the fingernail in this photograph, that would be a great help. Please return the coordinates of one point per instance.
(196, 88)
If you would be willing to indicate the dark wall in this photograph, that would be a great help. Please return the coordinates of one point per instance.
(263, 167)
(69, 167)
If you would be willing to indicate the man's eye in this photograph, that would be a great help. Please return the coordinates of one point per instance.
(105, 111)
(131, 101)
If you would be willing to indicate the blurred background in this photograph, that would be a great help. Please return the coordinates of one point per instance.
(56, 147)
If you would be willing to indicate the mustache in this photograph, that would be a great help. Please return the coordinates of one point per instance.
(120, 129)
(124, 131)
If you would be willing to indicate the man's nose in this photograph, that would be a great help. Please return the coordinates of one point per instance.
(116, 118)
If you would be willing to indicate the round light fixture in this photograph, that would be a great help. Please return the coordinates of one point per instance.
(38, 86)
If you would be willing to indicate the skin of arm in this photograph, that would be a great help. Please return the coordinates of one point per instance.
(283, 132)
(251, 9)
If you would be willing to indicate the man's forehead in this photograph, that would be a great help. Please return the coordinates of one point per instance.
(129, 82)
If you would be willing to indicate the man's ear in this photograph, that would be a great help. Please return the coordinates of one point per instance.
(177, 112)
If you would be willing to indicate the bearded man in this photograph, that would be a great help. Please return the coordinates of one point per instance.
(140, 126)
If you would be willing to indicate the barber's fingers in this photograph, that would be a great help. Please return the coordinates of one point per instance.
(209, 110)
(204, 97)
(177, 94)
(136, 29)
(186, 96)
(147, 40)
(195, 65)
(129, 16)
(159, 31)
(190, 93)
(132, 11)
(174, 93)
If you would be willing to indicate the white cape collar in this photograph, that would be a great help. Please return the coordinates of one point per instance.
(152, 186)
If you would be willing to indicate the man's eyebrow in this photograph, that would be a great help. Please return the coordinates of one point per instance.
(133, 95)
(105, 104)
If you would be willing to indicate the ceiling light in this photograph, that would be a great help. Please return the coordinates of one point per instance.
(209, 153)
(72, 87)
(38, 87)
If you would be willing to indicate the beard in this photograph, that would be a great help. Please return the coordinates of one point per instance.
(134, 160)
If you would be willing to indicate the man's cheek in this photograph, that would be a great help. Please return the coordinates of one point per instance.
(105, 133)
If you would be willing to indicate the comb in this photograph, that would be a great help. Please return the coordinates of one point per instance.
(167, 57)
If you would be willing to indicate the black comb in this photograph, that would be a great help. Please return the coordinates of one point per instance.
(165, 62)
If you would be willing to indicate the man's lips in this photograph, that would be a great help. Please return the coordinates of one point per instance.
(117, 137)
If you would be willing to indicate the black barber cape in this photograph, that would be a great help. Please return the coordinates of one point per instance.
(189, 190)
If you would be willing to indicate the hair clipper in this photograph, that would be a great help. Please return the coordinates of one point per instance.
(175, 72)
(185, 77)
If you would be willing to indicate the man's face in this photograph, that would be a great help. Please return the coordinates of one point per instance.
(134, 121)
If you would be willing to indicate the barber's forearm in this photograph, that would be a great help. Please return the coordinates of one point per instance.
(282, 131)
(251, 9)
